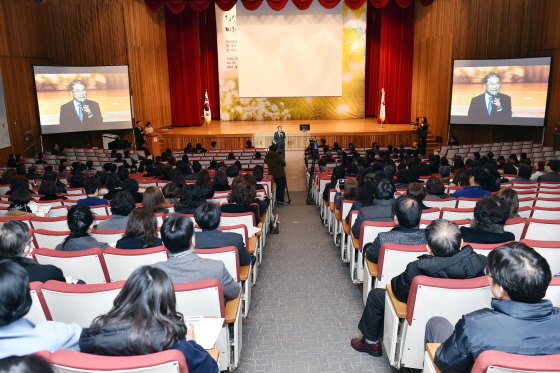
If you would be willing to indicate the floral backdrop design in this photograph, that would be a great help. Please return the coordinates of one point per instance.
(350, 106)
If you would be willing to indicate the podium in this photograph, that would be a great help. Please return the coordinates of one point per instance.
(152, 143)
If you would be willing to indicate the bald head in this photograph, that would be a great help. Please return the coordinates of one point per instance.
(443, 238)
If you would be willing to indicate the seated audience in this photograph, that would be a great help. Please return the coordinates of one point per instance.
(364, 197)
(48, 191)
(407, 213)
(172, 193)
(512, 201)
(132, 327)
(523, 175)
(114, 185)
(207, 217)
(154, 200)
(205, 184)
(16, 244)
(418, 192)
(141, 231)
(337, 174)
(196, 167)
(183, 265)
(80, 222)
(19, 205)
(121, 206)
(380, 210)
(540, 171)
(131, 186)
(435, 188)
(25, 364)
(221, 182)
(453, 141)
(490, 215)
(444, 172)
(18, 335)
(445, 259)
(91, 187)
(32, 174)
(191, 198)
(349, 193)
(551, 172)
(520, 321)
(241, 199)
(477, 178)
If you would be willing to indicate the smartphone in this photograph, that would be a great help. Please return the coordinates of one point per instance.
(341, 183)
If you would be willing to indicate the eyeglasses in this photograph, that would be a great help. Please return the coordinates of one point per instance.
(487, 271)
(79, 90)
(494, 84)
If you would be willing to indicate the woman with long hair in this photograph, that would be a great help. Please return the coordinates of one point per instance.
(205, 184)
(80, 221)
(511, 198)
(141, 231)
(48, 191)
(240, 199)
(350, 192)
(144, 320)
(171, 191)
(154, 200)
(221, 182)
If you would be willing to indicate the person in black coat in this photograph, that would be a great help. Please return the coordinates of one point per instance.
(490, 215)
(207, 216)
(519, 322)
(15, 245)
(141, 231)
(445, 259)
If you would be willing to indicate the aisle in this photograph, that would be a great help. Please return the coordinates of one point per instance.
(304, 309)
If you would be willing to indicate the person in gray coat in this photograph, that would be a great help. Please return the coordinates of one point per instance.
(80, 221)
(382, 208)
(183, 265)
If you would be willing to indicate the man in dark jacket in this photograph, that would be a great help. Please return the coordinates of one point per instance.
(15, 245)
(520, 321)
(407, 212)
(207, 216)
(445, 259)
(382, 208)
(276, 166)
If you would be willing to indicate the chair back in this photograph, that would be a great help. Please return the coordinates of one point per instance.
(503, 362)
(431, 213)
(80, 304)
(169, 361)
(37, 312)
(441, 203)
(48, 239)
(229, 255)
(120, 263)
(550, 250)
(58, 224)
(465, 203)
(457, 213)
(86, 265)
(204, 298)
(107, 236)
(393, 259)
(370, 230)
(541, 230)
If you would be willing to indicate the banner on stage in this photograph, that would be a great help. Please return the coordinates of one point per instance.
(323, 101)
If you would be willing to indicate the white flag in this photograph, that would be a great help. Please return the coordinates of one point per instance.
(382, 108)
(206, 111)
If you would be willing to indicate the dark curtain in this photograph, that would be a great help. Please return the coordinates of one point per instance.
(209, 58)
(389, 49)
(185, 86)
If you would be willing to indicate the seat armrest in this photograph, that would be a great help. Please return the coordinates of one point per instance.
(356, 242)
(244, 272)
(252, 245)
(372, 267)
(232, 306)
(345, 226)
(400, 307)
(431, 349)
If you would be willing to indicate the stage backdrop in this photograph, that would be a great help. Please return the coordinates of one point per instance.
(294, 59)
(4, 131)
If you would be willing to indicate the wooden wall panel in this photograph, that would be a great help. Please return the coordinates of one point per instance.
(80, 32)
(465, 29)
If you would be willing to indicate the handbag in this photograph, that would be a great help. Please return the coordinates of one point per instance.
(274, 225)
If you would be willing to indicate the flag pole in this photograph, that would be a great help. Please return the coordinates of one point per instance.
(382, 118)
(206, 113)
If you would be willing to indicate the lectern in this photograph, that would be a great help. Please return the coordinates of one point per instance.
(152, 140)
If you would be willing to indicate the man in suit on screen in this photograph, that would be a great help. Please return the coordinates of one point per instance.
(80, 111)
(491, 106)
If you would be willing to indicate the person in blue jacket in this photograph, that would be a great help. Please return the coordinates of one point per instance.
(144, 320)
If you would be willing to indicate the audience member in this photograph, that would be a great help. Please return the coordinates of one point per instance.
(205, 184)
(32, 174)
(16, 244)
(207, 217)
(519, 322)
(25, 364)
(154, 200)
(144, 320)
(114, 185)
(380, 210)
(121, 206)
(141, 231)
(551, 172)
(172, 193)
(183, 265)
(131, 185)
(435, 188)
(91, 187)
(477, 177)
(418, 192)
(444, 172)
(48, 191)
(191, 198)
(490, 215)
(80, 222)
(276, 164)
(18, 335)
(19, 205)
(540, 171)
(241, 199)
(221, 182)
(445, 259)
(349, 192)
(407, 213)
(512, 201)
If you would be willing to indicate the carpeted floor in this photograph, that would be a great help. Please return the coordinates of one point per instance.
(304, 309)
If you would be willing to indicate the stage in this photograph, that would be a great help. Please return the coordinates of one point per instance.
(234, 134)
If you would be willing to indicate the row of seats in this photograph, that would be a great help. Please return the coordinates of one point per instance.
(404, 323)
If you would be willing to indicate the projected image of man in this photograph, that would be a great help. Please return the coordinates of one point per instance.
(80, 111)
(491, 106)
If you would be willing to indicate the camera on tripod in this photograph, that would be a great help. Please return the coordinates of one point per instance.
(314, 147)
